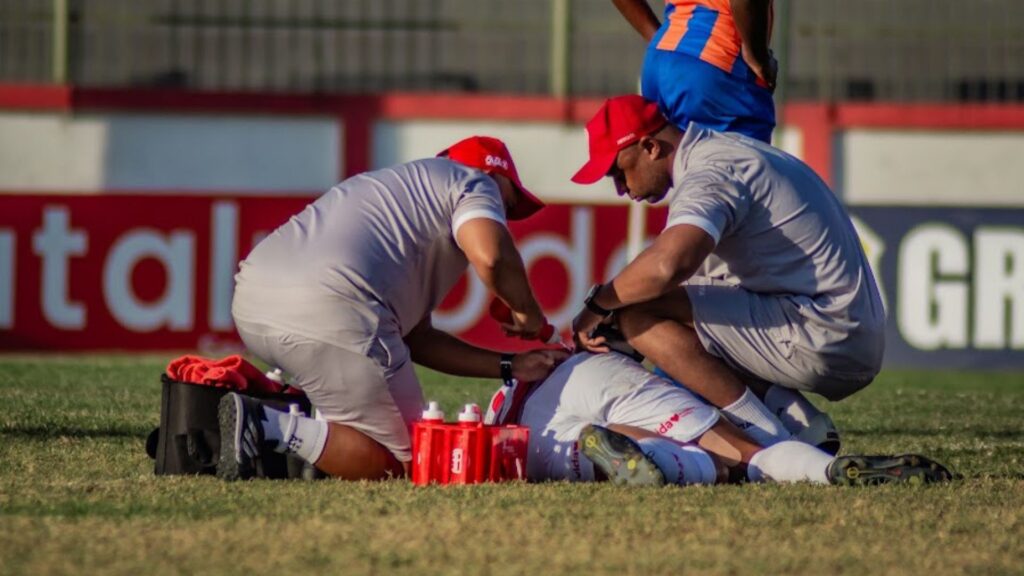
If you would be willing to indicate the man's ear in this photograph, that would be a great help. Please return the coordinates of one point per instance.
(652, 147)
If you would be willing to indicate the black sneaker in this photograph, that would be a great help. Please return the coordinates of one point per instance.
(241, 437)
(870, 470)
(618, 457)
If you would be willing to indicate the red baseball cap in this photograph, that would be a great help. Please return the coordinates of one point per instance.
(491, 156)
(620, 122)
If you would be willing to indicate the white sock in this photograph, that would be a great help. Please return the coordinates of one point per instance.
(791, 407)
(681, 464)
(295, 433)
(790, 461)
(751, 416)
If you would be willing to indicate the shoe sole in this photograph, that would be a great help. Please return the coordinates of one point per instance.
(619, 457)
(228, 466)
(873, 470)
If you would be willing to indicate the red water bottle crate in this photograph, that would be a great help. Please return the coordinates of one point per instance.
(466, 452)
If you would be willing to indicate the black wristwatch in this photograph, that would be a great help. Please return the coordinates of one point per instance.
(506, 368)
(594, 306)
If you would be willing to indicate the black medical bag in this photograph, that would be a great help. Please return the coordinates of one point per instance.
(188, 439)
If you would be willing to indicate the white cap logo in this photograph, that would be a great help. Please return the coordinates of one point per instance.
(496, 161)
(625, 138)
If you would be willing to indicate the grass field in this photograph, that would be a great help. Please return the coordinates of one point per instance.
(78, 496)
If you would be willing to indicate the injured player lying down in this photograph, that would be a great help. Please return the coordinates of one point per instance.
(603, 416)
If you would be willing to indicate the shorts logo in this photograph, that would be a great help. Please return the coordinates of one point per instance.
(671, 422)
(496, 161)
(574, 463)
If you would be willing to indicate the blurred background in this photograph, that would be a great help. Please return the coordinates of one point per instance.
(831, 50)
(145, 146)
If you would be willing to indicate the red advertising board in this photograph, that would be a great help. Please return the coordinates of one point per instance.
(150, 272)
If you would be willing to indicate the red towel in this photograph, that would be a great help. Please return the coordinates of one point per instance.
(232, 372)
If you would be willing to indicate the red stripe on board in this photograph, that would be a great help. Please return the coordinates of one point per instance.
(817, 125)
(394, 106)
(931, 116)
(35, 97)
(400, 106)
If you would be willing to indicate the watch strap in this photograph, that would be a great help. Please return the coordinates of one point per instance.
(506, 368)
(594, 306)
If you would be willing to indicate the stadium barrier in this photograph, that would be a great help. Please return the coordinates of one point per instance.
(122, 214)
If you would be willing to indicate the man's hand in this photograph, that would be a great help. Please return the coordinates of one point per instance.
(582, 325)
(526, 326)
(535, 365)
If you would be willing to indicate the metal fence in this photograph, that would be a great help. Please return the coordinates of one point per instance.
(831, 50)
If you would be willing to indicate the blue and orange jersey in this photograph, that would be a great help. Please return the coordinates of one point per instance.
(704, 29)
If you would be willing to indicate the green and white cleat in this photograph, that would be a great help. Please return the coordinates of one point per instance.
(871, 470)
(618, 457)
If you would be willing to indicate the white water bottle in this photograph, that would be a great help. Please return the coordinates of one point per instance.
(275, 375)
(433, 413)
(470, 414)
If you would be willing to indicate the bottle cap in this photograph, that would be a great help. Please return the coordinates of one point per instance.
(433, 412)
(275, 375)
(470, 413)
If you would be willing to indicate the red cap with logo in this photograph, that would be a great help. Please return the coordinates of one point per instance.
(491, 156)
(620, 122)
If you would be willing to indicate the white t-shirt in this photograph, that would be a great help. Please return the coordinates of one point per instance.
(780, 231)
(375, 253)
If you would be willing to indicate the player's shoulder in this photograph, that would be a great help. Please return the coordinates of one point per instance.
(728, 157)
(446, 176)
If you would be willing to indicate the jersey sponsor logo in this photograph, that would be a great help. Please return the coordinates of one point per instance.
(496, 161)
(672, 420)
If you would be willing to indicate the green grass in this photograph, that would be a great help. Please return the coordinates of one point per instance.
(77, 496)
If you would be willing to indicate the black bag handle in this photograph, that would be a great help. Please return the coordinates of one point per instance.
(198, 449)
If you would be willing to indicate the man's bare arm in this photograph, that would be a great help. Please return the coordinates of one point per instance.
(490, 250)
(673, 257)
(639, 15)
(443, 352)
(753, 22)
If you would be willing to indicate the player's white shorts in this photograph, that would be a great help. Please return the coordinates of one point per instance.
(603, 389)
(377, 394)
